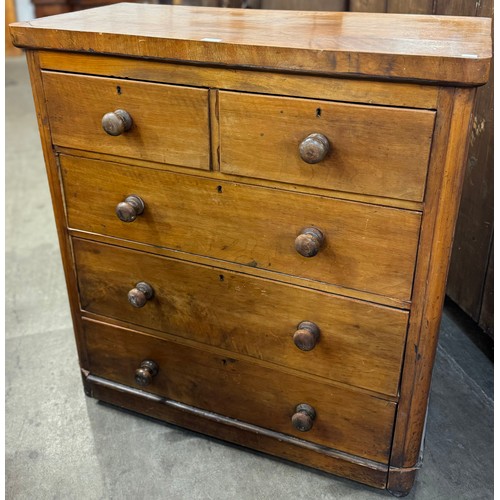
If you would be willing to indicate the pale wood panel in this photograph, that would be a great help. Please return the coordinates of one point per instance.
(247, 315)
(337, 89)
(366, 247)
(234, 387)
(419, 47)
(165, 118)
(373, 150)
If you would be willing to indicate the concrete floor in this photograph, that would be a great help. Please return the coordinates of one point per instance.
(63, 445)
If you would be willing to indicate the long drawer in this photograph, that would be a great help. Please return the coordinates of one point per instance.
(359, 343)
(344, 419)
(366, 247)
(372, 150)
(164, 118)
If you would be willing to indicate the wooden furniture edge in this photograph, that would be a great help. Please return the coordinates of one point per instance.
(400, 480)
(348, 293)
(55, 186)
(100, 319)
(446, 173)
(249, 181)
(237, 432)
(420, 68)
(246, 80)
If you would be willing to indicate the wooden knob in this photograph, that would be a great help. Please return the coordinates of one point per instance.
(128, 209)
(303, 418)
(309, 241)
(117, 122)
(314, 148)
(145, 373)
(306, 336)
(139, 295)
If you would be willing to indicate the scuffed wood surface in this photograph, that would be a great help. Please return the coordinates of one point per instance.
(435, 49)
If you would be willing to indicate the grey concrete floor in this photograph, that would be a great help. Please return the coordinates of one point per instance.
(62, 445)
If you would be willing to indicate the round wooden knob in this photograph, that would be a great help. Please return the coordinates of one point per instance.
(139, 295)
(117, 122)
(303, 418)
(145, 373)
(306, 336)
(128, 209)
(314, 148)
(309, 241)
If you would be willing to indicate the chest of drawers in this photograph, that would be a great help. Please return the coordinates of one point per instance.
(255, 212)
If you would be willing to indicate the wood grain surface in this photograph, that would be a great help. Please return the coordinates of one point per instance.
(430, 48)
(346, 420)
(165, 118)
(367, 247)
(360, 344)
(373, 150)
(319, 87)
(446, 173)
(236, 431)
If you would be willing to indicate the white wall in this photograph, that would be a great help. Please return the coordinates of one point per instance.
(25, 10)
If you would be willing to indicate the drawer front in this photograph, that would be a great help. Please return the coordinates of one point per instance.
(169, 123)
(345, 419)
(359, 343)
(373, 150)
(366, 247)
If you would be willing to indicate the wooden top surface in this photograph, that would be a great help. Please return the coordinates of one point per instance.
(426, 48)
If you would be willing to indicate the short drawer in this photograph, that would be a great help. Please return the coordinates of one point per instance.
(372, 150)
(354, 342)
(169, 124)
(365, 247)
(345, 419)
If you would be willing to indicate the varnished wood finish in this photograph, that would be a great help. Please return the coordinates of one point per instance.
(366, 247)
(246, 271)
(165, 117)
(328, 193)
(442, 197)
(373, 150)
(439, 49)
(296, 85)
(235, 431)
(345, 420)
(361, 344)
(52, 169)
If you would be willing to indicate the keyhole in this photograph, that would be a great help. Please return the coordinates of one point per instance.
(318, 113)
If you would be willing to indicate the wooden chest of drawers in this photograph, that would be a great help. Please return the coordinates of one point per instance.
(255, 212)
